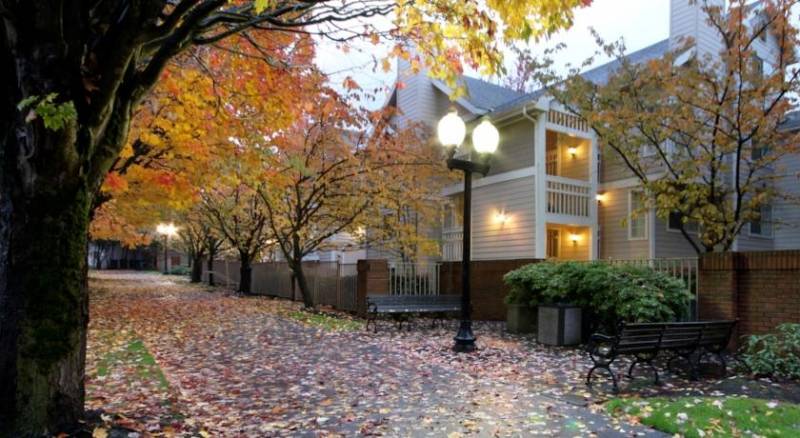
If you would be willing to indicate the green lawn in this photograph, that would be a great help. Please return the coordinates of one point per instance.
(327, 322)
(702, 417)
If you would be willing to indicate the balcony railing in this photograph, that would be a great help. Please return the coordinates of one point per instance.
(451, 245)
(568, 196)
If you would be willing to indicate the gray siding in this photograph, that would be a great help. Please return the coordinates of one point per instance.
(514, 239)
(418, 99)
(614, 241)
(612, 168)
(671, 243)
(516, 147)
(787, 233)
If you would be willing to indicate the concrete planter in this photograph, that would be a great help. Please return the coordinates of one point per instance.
(559, 324)
(521, 318)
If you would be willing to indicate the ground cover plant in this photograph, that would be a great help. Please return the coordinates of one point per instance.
(774, 354)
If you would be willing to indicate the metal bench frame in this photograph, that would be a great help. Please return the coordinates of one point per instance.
(646, 341)
(399, 306)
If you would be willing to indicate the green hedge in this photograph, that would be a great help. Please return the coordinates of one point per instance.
(607, 293)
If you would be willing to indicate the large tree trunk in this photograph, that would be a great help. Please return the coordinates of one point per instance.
(43, 312)
(197, 269)
(245, 275)
(302, 283)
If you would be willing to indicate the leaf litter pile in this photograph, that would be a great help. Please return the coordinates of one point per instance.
(169, 358)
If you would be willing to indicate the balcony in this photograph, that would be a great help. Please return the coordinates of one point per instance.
(568, 197)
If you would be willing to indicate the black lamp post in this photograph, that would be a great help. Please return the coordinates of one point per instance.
(451, 131)
(167, 230)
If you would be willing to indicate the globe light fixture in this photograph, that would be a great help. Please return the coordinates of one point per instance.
(451, 130)
(485, 137)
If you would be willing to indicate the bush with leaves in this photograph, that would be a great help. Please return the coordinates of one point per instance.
(607, 293)
(774, 354)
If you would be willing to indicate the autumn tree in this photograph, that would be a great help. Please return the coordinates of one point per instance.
(198, 239)
(72, 78)
(702, 132)
(236, 215)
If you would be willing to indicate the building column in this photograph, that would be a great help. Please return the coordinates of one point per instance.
(540, 204)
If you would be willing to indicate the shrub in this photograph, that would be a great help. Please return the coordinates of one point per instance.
(180, 270)
(774, 354)
(607, 293)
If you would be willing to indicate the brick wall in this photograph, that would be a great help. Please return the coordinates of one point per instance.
(487, 288)
(761, 289)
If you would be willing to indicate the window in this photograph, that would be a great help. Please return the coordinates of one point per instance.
(637, 226)
(674, 223)
(763, 226)
(757, 152)
(553, 243)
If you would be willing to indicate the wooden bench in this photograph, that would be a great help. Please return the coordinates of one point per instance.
(398, 305)
(646, 341)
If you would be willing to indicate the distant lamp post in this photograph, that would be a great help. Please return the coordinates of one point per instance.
(451, 131)
(167, 230)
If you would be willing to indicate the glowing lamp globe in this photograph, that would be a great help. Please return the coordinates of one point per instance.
(451, 130)
(485, 137)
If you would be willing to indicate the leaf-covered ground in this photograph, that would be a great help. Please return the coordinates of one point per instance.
(168, 358)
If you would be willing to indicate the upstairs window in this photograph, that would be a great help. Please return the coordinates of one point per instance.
(676, 219)
(763, 226)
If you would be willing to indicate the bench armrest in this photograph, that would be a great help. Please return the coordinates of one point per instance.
(596, 341)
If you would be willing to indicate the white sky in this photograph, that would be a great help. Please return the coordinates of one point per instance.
(639, 22)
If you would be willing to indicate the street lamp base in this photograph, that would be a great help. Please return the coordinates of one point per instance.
(465, 340)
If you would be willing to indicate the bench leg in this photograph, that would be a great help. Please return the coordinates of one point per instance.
(605, 366)
(648, 360)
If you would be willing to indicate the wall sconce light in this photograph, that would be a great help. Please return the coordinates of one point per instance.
(600, 197)
(572, 150)
(575, 238)
(501, 217)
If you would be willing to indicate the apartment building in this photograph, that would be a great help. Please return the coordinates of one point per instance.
(551, 192)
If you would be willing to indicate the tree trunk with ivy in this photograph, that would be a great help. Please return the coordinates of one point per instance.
(59, 135)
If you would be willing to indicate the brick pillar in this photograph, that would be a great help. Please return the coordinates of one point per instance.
(718, 294)
(373, 279)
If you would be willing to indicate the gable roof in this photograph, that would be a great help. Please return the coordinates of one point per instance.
(486, 95)
(598, 75)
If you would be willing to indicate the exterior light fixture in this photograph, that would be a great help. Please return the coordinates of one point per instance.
(485, 137)
(575, 239)
(501, 217)
(451, 130)
(600, 197)
(573, 150)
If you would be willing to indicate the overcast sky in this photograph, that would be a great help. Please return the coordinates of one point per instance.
(639, 22)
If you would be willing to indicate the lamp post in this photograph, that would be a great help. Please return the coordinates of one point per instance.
(451, 131)
(167, 230)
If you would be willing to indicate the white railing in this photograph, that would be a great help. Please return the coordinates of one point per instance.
(568, 197)
(452, 246)
(413, 278)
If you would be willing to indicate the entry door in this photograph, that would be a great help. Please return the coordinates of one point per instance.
(553, 243)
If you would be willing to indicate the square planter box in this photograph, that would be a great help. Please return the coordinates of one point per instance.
(521, 318)
(559, 324)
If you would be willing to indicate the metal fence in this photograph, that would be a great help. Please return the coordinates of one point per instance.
(329, 283)
(413, 278)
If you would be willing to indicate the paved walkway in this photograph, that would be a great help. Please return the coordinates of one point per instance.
(244, 367)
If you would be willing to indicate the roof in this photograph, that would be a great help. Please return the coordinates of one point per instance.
(791, 122)
(486, 95)
(597, 75)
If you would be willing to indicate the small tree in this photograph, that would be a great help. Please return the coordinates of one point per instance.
(704, 136)
(198, 239)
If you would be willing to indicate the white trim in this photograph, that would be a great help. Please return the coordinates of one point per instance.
(651, 228)
(627, 182)
(630, 217)
(569, 220)
(491, 179)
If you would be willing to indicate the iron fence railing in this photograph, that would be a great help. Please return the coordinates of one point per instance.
(413, 278)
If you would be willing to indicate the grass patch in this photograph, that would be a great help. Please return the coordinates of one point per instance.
(326, 321)
(134, 355)
(699, 417)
